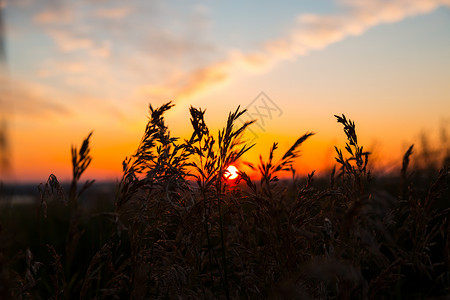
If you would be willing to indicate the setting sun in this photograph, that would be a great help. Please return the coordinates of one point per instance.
(231, 172)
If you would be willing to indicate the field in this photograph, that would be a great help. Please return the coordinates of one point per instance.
(175, 228)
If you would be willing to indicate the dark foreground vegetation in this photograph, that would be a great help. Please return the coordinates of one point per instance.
(174, 228)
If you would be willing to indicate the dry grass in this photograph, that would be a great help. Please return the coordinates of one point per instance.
(179, 230)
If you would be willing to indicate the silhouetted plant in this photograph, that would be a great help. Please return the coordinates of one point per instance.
(179, 229)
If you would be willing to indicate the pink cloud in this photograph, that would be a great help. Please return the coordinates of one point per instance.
(54, 16)
(117, 13)
(30, 99)
(66, 42)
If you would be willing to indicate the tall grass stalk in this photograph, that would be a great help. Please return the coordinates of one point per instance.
(176, 228)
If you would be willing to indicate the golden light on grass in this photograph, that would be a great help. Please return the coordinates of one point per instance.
(231, 172)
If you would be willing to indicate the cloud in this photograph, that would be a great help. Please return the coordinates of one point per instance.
(72, 25)
(18, 3)
(53, 68)
(315, 32)
(67, 42)
(24, 100)
(311, 32)
(116, 13)
(102, 50)
(328, 29)
(28, 99)
(201, 79)
(161, 52)
(60, 15)
(189, 84)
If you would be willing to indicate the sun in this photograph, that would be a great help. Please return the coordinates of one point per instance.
(231, 172)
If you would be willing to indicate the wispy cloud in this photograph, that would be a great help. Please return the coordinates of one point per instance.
(51, 68)
(58, 15)
(67, 42)
(188, 85)
(116, 13)
(28, 99)
(315, 32)
(311, 32)
(162, 61)
(167, 43)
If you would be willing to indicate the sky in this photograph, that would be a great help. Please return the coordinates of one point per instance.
(72, 67)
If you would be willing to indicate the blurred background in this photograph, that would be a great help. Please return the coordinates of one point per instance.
(70, 67)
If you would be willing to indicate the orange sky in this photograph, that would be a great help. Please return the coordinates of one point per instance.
(72, 68)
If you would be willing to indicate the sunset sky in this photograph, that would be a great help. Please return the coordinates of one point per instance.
(78, 66)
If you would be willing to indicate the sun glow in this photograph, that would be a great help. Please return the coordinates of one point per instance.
(231, 172)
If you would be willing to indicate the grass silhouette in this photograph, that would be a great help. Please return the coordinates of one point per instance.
(175, 228)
